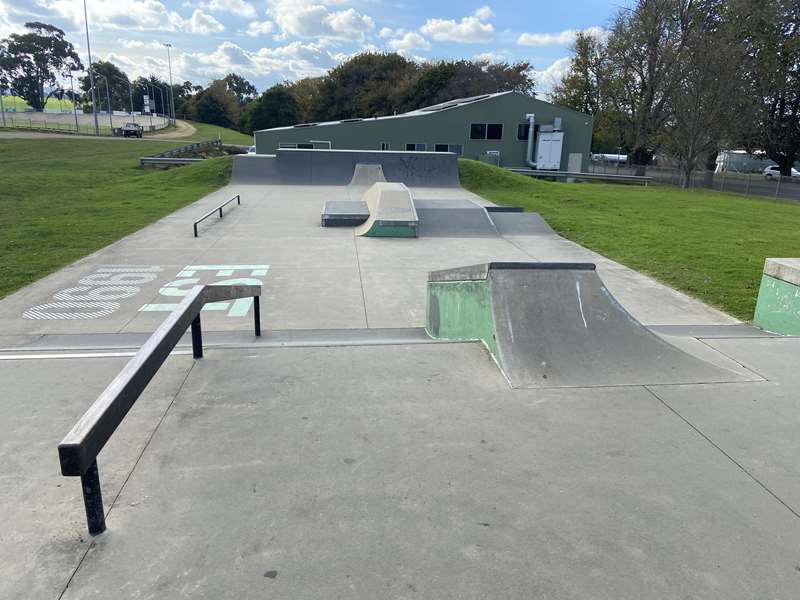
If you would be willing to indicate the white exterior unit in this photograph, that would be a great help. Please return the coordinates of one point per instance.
(548, 150)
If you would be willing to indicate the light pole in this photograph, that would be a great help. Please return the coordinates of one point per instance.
(108, 98)
(2, 108)
(74, 104)
(91, 75)
(171, 89)
(130, 92)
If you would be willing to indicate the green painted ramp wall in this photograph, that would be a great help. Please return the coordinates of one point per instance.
(778, 307)
(461, 310)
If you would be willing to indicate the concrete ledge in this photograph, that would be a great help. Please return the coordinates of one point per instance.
(778, 306)
(785, 269)
(391, 212)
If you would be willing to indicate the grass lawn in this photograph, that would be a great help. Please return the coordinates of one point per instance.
(10, 102)
(61, 199)
(210, 132)
(708, 244)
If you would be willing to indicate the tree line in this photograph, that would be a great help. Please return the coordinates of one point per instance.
(32, 65)
(689, 78)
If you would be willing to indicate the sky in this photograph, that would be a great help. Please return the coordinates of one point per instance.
(268, 41)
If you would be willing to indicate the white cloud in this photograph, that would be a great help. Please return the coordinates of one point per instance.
(385, 32)
(118, 14)
(304, 19)
(557, 39)
(548, 78)
(484, 13)
(236, 7)
(133, 44)
(410, 41)
(469, 30)
(492, 57)
(203, 24)
(259, 28)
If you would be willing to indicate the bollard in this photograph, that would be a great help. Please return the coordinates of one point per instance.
(197, 338)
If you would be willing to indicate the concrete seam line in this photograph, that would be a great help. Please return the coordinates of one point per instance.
(745, 367)
(361, 281)
(723, 452)
(130, 473)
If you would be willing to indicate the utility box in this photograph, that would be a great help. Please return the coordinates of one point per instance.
(548, 150)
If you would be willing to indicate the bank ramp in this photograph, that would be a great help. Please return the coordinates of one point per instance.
(391, 212)
(556, 325)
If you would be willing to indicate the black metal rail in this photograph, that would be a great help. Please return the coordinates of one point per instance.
(218, 209)
(79, 449)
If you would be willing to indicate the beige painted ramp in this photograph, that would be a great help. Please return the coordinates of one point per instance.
(391, 212)
(365, 175)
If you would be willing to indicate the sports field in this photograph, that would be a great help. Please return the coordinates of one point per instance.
(708, 244)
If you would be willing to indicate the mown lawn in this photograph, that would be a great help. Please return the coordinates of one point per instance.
(708, 244)
(61, 199)
(210, 132)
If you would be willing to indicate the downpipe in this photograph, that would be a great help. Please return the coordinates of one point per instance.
(529, 155)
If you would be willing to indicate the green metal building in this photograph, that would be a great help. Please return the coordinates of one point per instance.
(494, 128)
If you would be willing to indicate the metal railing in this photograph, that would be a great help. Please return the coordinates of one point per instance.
(583, 175)
(155, 161)
(79, 449)
(218, 209)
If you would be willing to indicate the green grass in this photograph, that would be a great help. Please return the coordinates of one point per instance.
(210, 132)
(707, 244)
(21, 105)
(61, 199)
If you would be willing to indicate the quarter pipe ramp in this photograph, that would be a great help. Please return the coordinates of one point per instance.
(556, 325)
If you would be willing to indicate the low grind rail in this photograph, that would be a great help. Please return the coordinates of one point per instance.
(218, 209)
(79, 449)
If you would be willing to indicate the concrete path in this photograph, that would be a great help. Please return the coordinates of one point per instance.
(344, 455)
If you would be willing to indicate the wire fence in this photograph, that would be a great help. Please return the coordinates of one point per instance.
(81, 123)
(748, 184)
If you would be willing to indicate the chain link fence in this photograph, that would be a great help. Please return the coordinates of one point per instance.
(82, 123)
(748, 184)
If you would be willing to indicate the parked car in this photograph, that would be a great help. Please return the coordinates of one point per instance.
(774, 172)
(132, 130)
(251, 150)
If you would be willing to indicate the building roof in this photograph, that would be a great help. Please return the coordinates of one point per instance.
(449, 105)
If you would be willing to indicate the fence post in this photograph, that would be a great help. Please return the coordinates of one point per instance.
(749, 177)
(722, 187)
(778, 187)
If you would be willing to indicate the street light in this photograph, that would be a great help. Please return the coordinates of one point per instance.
(130, 92)
(171, 89)
(108, 97)
(91, 76)
(74, 104)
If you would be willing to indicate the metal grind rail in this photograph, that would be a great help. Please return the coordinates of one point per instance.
(218, 209)
(79, 449)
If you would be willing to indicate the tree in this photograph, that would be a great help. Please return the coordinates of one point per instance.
(367, 85)
(700, 104)
(579, 87)
(276, 107)
(445, 80)
(107, 73)
(638, 73)
(214, 105)
(306, 93)
(771, 69)
(241, 88)
(30, 61)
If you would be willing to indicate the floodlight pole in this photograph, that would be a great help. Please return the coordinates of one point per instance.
(2, 108)
(171, 89)
(91, 74)
(74, 104)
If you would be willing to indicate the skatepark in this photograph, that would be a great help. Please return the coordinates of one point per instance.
(447, 399)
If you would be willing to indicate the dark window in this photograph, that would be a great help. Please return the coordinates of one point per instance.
(477, 131)
(415, 147)
(385, 146)
(522, 131)
(494, 131)
(305, 146)
(441, 148)
(457, 149)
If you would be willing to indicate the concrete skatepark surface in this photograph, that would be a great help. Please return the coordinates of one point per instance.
(345, 454)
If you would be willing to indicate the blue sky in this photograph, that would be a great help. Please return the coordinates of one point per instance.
(271, 40)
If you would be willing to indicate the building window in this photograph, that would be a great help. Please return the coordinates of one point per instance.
(477, 131)
(441, 148)
(457, 149)
(287, 145)
(416, 147)
(386, 146)
(305, 146)
(494, 131)
(522, 131)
